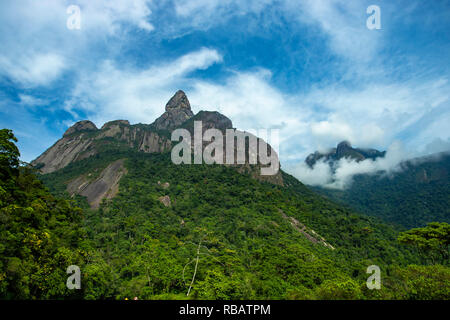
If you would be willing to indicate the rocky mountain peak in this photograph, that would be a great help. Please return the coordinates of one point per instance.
(178, 110)
(209, 119)
(84, 125)
(344, 145)
(343, 150)
(178, 101)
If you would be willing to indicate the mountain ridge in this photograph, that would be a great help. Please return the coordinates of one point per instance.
(343, 150)
(84, 140)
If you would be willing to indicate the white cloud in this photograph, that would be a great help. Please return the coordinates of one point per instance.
(28, 100)
(204, 14)
(437, 145)
(332, 130)
(320, 175)
(139, 96)
(33, 70)
(112, 14)
(38, 47)
(347, 168)
(342, 21)
(345, 24)
(252, 102)
(371, 116)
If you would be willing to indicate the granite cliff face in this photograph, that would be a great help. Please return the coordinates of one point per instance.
(84, 125)
(105, 186)
(79, 143)
(178, 110)
(84, 139)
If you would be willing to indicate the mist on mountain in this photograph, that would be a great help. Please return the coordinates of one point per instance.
(338, 172)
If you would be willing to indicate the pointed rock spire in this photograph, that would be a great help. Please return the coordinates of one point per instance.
(178, 101)
(178, 110)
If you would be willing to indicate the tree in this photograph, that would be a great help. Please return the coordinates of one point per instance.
(39, 234)
(433, 240)
(9, 154)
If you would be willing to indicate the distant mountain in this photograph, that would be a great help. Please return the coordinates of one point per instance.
(418, 194)
(343, 150)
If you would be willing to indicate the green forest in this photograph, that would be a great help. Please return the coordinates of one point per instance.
(224, 235)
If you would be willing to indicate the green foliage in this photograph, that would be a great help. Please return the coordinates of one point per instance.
(433, 240)
(248, 249)
(418, 283)
(339, 290)
(225, 236)
(9, 156)
(39, 234)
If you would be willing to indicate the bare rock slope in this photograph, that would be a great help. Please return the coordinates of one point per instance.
(105, 186)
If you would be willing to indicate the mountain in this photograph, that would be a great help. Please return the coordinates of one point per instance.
(178, 110)
(84, 139)
(343, 150)
(416, 195)
(159, 230)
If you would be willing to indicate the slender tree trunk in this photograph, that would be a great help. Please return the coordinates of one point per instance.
(148, 278)
(195, 271)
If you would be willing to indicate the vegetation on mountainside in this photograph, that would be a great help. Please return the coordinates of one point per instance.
(433, 240)
(233, 232)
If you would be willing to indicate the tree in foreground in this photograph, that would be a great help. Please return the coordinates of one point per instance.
(433, 241)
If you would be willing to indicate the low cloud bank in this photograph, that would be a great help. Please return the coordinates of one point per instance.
(340, 176)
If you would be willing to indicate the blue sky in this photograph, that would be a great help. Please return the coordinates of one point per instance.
(309, 67)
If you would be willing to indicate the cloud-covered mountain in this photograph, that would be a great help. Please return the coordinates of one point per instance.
(343, 150)
(414, 195)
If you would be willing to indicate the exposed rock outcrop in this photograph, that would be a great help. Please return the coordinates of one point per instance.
(153, 143)
(218, 121)
(178, 110)
(209, 119)
(84, 125)
(164, 185)
(105, 186)
(64, 151)
(79, 145)
(115, 123)
(165, 201)
(310, 234)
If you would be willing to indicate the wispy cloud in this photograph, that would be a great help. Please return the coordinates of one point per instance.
(32, 70)
(113, 92)
(38, 45)
(28, 100)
